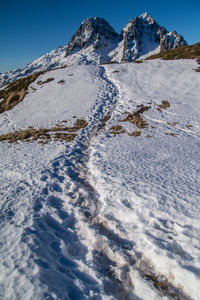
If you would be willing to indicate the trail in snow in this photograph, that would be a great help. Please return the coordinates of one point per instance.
(71, 200)
(104, 217)
(149, 185)
(48, 240)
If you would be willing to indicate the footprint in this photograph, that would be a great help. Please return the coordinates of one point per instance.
(41, 263)
(55, 246)
(55, 187)
(55, 202)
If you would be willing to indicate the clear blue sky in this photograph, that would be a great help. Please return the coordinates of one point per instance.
(30, 28)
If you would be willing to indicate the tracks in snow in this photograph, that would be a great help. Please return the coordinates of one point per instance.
(78, 254)
(63, 213)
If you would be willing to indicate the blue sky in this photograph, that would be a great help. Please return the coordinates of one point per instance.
(30, 28)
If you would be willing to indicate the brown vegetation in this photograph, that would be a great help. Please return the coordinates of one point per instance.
(164, 105)
(172, 123)
(138, 61)
(135, 133)
(45, 134)
(40, 82)
(62, 81)
(104, 121)
(14, 92)
(184, 52)
(136, 118)
(117, 129)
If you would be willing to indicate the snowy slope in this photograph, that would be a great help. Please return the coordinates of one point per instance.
(149, 185)
(107, 216)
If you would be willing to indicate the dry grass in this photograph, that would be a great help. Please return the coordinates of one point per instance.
(135, 133)
(62, 81)
(117, 129)
(64, 136)
(109, 63)
(104, 121)
(44, 135)
(40, 82)
(172, 123)
(138, 61)
(184, 52)
(80, 123)
(14, 93)
(136, 118)
(164, 105)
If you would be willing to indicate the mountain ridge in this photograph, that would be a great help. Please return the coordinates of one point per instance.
(96, 41)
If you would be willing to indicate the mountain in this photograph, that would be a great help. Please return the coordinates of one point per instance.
(96, 42)
(141, 36)
(95, 32)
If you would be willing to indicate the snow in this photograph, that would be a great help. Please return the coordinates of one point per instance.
(52, 102)
(93, 218)
(150, 53)
(149, 187)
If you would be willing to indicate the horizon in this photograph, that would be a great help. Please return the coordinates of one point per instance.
(36, 28)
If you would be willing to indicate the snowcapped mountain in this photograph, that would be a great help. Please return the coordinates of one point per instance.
(95, 32)
(96, 42)
(141, 36)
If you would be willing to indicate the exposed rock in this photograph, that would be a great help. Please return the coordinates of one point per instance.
(93, 31)
(143, 35)
(96, 42)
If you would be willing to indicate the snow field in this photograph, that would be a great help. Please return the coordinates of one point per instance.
(43, 251)
(94, 218)
(149, 187)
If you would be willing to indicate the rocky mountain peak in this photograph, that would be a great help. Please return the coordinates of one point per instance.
(143, 35)
(96, 42)
(93, 31)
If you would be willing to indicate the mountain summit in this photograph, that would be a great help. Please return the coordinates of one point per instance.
(142, 36)
(93, 31)
(96, 42)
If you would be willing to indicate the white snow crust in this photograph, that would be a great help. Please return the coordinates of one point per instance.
(93, 218)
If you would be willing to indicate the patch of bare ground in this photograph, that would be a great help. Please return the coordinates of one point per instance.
(135, 133)
(104, 121)
(117, 129)
(136, 118)
(164, 105)
(15, 92)
(62, 81)
(44, 135)
(172, 123)
(184, 52)
(118, 281)
(160, 281)
(40, 82)
(170, 133)
(140, 61)
(109, 63)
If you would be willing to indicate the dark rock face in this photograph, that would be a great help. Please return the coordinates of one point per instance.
(139, 37)
(93, 31)
(171, 41)
(142, 35)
